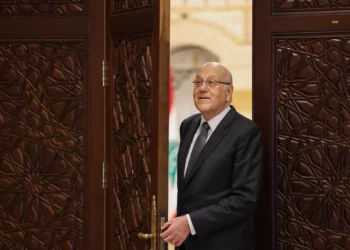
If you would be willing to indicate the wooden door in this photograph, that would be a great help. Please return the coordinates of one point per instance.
(138, 126)
(301, 99)
(51, 124)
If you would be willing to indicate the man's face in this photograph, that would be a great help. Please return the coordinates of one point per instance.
(211, 101)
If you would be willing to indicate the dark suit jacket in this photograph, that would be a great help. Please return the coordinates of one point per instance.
(220, 192)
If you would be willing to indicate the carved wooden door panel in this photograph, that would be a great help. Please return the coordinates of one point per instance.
(51, 125)
(138, 134)
(302, 103)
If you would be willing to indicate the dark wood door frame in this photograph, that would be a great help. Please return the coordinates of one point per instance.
(138, 50)
(45, 26)
(270, 24)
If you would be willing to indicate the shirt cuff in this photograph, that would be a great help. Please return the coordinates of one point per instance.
(193, 231)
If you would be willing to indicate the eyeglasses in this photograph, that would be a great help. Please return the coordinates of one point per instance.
(210, 83)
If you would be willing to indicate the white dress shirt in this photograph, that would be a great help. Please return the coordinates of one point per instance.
(213, 123)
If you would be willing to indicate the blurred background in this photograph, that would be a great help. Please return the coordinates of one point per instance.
(198, 34)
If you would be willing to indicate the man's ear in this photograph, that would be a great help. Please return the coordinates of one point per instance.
(229, 92)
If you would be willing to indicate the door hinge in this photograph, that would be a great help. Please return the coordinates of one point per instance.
(104, 175)
(104, 73)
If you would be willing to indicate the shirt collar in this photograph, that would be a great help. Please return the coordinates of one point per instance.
(214, 122)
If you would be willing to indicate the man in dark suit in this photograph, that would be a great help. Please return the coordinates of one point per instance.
(219, 170)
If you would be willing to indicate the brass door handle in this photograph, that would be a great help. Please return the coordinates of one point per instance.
(145, 236)
(153, 235)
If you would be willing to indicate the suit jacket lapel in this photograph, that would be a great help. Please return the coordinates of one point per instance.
(185, 146)
(211, 144)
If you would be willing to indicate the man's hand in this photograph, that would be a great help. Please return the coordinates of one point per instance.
(176, 230)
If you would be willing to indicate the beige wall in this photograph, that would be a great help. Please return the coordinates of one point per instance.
(222, 27)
